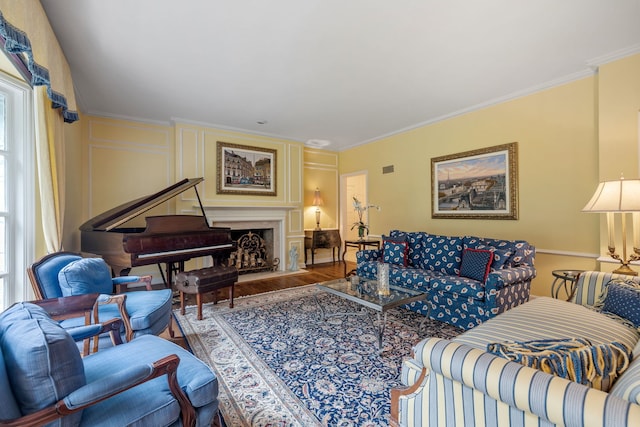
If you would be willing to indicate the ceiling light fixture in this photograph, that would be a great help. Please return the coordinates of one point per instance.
(318, 143)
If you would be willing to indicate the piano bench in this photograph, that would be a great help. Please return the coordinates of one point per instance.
(205, 280)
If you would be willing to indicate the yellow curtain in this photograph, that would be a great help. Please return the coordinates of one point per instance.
(50, 165)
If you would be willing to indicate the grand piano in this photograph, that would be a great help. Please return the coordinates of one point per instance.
(166, 239)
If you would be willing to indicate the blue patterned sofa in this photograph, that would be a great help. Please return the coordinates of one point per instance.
(468, 279)
(458, 382)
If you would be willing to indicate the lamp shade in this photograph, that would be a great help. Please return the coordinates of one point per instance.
(615, 196)
(317, 199)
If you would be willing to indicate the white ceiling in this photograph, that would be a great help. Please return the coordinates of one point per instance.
(343, 71)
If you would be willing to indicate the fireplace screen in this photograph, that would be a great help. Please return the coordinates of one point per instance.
(252, 255)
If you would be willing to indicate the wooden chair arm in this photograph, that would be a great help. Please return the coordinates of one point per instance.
(396, 393)
(113, 328)
(68, 307)
(165, 366)
(119, 300)
(123, 287)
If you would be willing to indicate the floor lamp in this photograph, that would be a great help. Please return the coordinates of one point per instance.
(619, 197)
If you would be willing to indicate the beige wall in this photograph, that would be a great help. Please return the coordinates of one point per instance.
(569, 138)
(196, 155)
(619, 131)
(321, 171)
(124, 160)
(73, 185)
(556, 134)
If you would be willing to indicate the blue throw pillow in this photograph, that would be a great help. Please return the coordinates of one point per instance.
(623, 300)
(476, 264)
(85, 276)
(42, 360)
(441, 253)
(500, 258)
(395, 252)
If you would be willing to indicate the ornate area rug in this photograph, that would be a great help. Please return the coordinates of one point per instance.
(279, 364)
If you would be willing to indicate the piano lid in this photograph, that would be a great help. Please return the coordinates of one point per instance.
(119, 215)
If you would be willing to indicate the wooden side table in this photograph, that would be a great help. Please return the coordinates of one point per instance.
(361, 245)
(325, 239)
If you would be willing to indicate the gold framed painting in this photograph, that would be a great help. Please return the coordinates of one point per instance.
(242, 169)
(477, 184)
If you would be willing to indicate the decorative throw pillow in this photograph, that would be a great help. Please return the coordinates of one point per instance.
(575, 359)
(622, 298)
(395, 252)
(42, 361)
(441, 253)
(476, 264)
(400, 238)
(85, 276)
(500, 258)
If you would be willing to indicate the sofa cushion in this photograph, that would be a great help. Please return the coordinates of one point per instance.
(42, 360)
(546, 317)
(503, 250)
(460, 286)
(145, 308)
(196, 379)
(412, 278)
(395, 251)
(622, 298)
(85, 276)
(441, 253)
(575, 359)
(416, 246)
(476, 263)
(500, 258)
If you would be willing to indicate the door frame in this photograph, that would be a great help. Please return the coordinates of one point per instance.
(346, 203)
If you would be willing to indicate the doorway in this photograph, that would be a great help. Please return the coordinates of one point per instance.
(352, 185)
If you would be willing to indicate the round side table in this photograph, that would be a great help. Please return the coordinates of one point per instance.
(564, 280)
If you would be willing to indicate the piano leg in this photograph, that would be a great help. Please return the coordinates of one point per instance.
(170, 268)
(117, 270)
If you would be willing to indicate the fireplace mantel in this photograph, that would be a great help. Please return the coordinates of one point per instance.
(246, 213)
(247, 217)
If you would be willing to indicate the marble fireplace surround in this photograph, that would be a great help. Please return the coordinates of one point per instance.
(253, 217)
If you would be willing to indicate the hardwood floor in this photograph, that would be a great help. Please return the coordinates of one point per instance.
(315, 273)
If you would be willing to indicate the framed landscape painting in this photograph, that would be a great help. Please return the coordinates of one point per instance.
(242, 169)
(478, 184)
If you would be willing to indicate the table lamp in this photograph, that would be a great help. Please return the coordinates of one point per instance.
(619, 197)
(317, 202)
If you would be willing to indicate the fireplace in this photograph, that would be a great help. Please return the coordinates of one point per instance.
(255, 251)
(251, 218)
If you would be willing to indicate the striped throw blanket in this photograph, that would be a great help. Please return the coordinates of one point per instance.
(575, 359)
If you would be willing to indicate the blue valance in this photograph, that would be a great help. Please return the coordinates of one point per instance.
(17, 42)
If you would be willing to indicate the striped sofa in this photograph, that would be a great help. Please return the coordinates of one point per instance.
(458, 383)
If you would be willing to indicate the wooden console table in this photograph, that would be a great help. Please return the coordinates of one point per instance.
(325, 239)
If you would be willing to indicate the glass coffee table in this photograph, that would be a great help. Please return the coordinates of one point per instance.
(366, 294)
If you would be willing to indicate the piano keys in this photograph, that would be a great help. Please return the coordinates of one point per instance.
(168, 239)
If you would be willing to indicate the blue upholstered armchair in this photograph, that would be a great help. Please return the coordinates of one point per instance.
(63, 274)
(148, 381)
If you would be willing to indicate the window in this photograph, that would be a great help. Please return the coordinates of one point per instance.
(16, 190)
